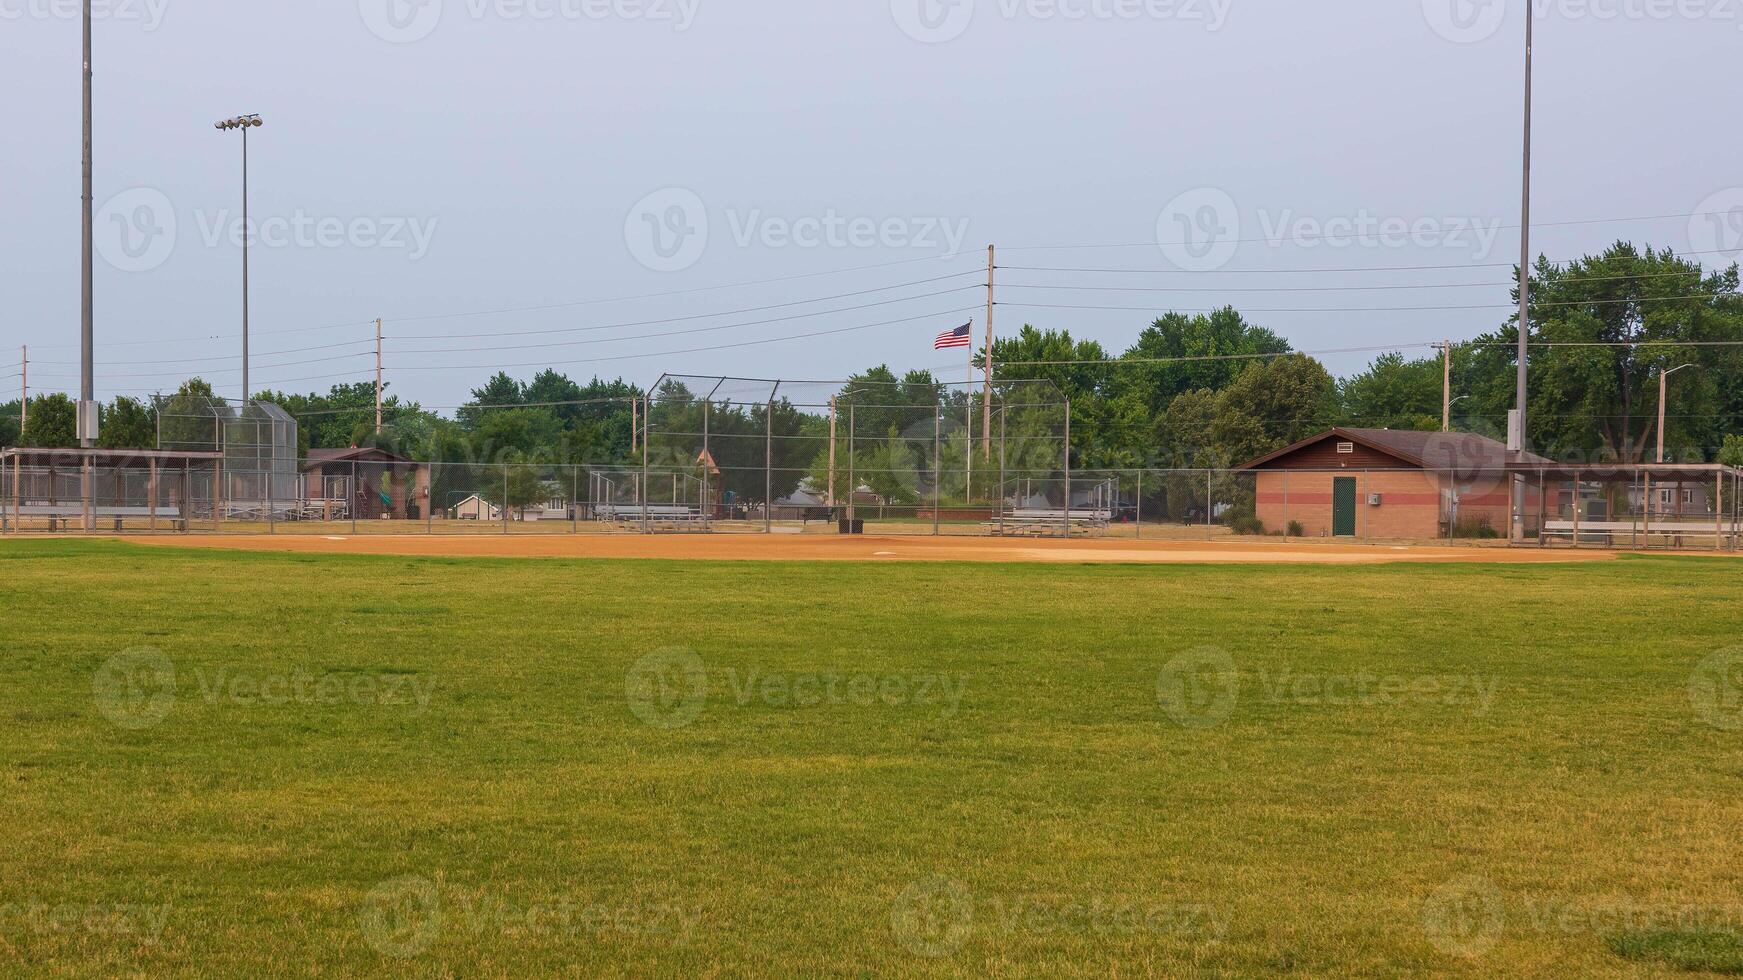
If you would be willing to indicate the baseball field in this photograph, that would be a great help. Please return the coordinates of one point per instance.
(321, 762)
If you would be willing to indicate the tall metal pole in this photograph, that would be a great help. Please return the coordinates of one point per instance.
(377, 372)
(986, 411)
(23, 390)
(245, 237)
(87, 384)
(1446, 390)
(1663, 390)
(832, 454)
(1520, 396)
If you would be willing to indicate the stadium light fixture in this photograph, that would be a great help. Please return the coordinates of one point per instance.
(244, 123)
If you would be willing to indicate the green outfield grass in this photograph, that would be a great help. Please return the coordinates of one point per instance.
(235, 764)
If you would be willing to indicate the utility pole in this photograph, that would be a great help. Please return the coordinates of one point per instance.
(1446, 389)
(377, 376)
(1520, 396)
(87, 384)
(832, 455)
(1663, 389)
(986, 417)
(23, 390)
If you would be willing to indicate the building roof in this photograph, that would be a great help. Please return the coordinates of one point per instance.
(1465, 451)
(372, 454)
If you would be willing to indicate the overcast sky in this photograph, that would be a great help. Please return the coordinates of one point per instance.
(426, 159)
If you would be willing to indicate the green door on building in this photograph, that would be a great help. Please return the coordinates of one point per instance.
(1343, 507)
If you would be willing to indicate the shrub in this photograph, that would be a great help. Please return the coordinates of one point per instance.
(1296, 530)
(1477, 528)
(1247, 524)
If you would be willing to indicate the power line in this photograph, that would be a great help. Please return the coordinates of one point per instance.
(705, 316)
(1386, 309)
(682, 292)
(697, 350)
(673, 333)
(1300, 239)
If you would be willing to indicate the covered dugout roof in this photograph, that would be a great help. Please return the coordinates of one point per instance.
(1465, 451)
(107, 458)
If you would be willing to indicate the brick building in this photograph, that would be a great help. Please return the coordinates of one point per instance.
(1390, 483)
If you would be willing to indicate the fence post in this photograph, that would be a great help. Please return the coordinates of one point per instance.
(574, 499)
(505, 498)
(351, 492)
(1139, 523)
(937, 483)
(1068, 469)
(769, 465)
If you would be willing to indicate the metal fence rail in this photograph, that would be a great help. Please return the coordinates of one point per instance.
(895, 490)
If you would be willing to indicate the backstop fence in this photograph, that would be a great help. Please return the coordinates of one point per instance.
(913, 456)
(893, 488)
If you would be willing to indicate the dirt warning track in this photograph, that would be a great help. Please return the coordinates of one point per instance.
(793, 547)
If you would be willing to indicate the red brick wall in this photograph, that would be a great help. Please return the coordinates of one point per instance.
(1410, 502)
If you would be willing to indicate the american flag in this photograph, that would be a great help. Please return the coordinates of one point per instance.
(960, 337)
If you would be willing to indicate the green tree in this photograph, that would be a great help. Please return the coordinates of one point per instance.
(127, 424)
(53, 423)
(9, 416)
(1732, 453)
(1647, 311)
(1394, 393)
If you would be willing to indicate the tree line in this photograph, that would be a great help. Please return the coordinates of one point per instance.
(1201, 391)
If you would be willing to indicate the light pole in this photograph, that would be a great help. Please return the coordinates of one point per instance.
(87, 414)
(1518, 523)
(244, 123)
(1664, 376)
